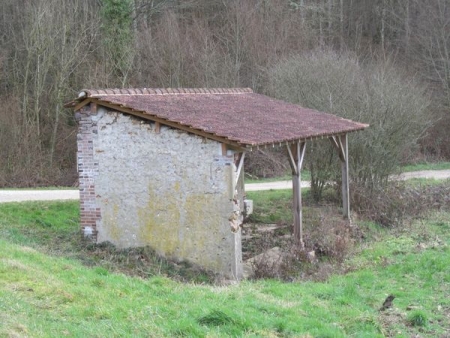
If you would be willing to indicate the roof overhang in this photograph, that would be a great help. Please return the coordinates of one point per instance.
(234, 116)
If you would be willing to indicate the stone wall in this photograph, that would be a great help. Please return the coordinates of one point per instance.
(160, 187)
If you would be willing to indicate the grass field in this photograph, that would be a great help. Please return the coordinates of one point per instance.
(50, 287)
(426, 166)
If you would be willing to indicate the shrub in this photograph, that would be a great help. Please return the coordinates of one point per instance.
(266, 163)
(377, 94)
(398, 202)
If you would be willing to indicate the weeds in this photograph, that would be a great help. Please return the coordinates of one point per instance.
(327, 237)
(399, 203)
(417, 318)
(216, 318)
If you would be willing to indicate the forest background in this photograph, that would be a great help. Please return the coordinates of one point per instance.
(383, 62)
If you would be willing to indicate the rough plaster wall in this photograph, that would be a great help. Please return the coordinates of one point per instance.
(170, 190)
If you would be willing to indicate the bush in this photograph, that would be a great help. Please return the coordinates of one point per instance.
(377, 94)
(398, 202)
(266, 163)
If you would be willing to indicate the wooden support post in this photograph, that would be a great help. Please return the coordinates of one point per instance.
(296, 153)
(341, 145)
(94, 108)
(224, 149)
(345, 183)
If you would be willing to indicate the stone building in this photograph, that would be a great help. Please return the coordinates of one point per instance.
(164, 167)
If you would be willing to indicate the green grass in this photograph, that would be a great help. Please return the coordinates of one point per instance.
(418, 182)
(271, 206)
(46, 291)
(426, 166)
(275, 206)
(42, 188)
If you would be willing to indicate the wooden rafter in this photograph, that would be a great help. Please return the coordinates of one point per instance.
(337, 143)
(239, 166)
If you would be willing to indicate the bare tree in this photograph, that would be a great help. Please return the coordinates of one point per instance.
(50, 43)
(432, 39)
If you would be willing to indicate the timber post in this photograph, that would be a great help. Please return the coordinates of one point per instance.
(341, 145)
(296, 153)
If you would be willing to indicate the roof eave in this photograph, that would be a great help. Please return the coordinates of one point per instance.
(280, 143)
(85, 97)
(154, 118)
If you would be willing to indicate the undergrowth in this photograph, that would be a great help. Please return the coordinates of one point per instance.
(328, 238)
(400, 202)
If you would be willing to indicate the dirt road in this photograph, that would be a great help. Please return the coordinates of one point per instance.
(37, 195)
(48, 195)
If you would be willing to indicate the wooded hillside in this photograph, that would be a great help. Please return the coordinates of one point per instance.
(51, 49)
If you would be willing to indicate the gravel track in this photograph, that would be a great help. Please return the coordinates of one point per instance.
(49, 195)
(37, 195)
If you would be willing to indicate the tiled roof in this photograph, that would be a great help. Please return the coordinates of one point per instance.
(232, 114)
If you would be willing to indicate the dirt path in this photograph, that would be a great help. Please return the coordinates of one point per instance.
(278, 185)
(37, 195)
(48, 195)
(437, 174)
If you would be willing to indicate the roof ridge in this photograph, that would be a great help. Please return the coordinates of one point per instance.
(160, 91)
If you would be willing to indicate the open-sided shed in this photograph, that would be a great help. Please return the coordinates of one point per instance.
(164, 167)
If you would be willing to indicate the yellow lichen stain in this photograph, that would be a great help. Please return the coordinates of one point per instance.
(203, 218)
(158, 222)
(185, 226)
(110, 213)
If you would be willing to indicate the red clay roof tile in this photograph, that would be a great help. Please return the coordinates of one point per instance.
(236, 114)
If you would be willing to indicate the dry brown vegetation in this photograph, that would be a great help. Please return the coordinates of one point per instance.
(329, 239)
(50, 49)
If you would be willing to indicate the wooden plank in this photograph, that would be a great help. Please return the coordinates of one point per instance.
(334, 142)
(93, 107)
(302, 155)
(224, 149)
(157, 127)
(240, 166)
(81, 104)
(296, 190)
(337, 144)
(291, 159)
(343, 150)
